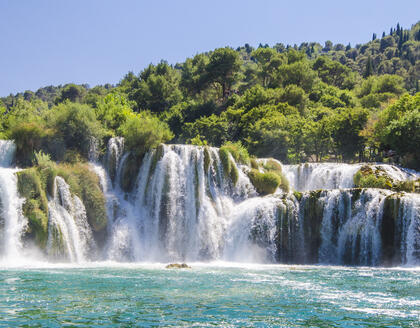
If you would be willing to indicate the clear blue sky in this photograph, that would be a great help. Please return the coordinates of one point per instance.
(46, 42)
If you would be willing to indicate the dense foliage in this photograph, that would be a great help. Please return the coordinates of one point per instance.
(293, 103)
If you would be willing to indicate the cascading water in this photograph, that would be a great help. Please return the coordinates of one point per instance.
(69, 234)
(12, 222)
(313, 176)
(183, 206)
(181, 211)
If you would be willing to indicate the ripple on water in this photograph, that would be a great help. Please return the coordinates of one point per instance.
(207, 294)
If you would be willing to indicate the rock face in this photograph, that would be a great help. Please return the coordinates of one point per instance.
(350, 227)
(178, 266)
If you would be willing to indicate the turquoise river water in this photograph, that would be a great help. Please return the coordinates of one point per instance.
(218, 294)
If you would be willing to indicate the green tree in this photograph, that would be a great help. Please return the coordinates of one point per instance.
(76, 124)
(194, 74)
(223, 68)
(398, 128)
(113, 110)
(332, 72)
(72, 92)
(268, 61)
(157, 88)
(369, 68)
(346, 126)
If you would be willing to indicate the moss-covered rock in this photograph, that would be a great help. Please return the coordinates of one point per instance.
(313, 211)
(273, 166)
(85, 184)
(35, 207)
(254, 163)
(362, 180)
(37, 223)
(225, 159)
(238, 152)
(178, 266)
(264, 183)
(229, 167)
(376, 177)
(298, 195)
(129, 172)
(57, 249)
(390, 238)
(407, 185)
(207, 159)
(157, 156)
(287, 226)
(284, 184)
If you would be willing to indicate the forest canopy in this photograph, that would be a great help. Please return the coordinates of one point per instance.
(307, 102)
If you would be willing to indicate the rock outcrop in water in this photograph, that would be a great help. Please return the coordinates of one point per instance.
(180, 204)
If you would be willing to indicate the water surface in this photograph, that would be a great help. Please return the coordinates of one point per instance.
(116, 295)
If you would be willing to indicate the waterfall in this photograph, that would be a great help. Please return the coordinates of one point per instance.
(113, 156)
(350, 229)
(69, 234)
(181, 205)
(12, 221)
(313, 176)
(7, 153)
(184, 209)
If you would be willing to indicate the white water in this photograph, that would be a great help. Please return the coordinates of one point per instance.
(313, 176)
(69, 234)
(179, 211)
(12, 222)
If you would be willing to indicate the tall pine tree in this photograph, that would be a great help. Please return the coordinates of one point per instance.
(369, 68)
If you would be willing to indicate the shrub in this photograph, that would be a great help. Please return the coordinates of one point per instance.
(198, 141)
(28, 138)
(144, 131)
(77, 125)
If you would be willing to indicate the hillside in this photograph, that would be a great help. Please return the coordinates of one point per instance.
(294, 103)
